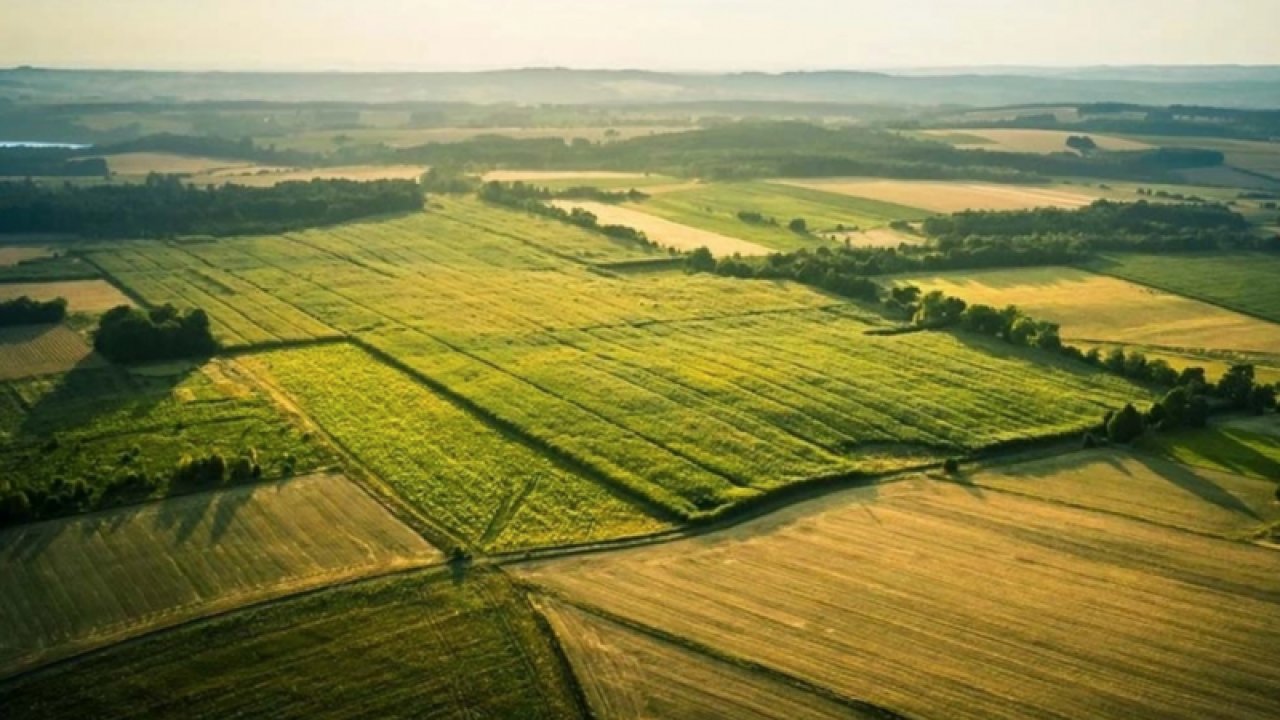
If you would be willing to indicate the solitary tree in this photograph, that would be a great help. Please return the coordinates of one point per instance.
(798, 225)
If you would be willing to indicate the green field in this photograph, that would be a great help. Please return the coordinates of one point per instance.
(73, 584)
(102, 425)
(466, 476)
(715, 208)
(1229, 447)
(1240, 281)
(407, 648)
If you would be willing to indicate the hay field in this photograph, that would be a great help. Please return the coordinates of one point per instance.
(542, 176)
(1106, 309)
(1241, 281)
(87, 296)
(714, 207)
(410, 647)
(939, 600)
(628, 675)
(70, 585)
(266, 177)
(665, 232)
(1217, 501)
(879, 238)
(948, 197)
(11, 255)
(1040, 142)
(141, 164)
(29, 350)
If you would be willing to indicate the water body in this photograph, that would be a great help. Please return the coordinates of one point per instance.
(42, 145)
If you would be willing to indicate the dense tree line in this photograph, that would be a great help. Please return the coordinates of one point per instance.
(164, 206)
(26, 311)
(1174, 120)
(50, 162)
(1189, 403)
(215, 147)
(129, 335)
(533, 199)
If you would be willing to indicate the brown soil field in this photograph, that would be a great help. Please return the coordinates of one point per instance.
(29, 350)
(73, 584)
(1101, 308)
(1040, 142)
(12, 255)
(665, 232)
(1144, 487)
(947, 197)
(628, 675)
(935, 599)
(90, 296)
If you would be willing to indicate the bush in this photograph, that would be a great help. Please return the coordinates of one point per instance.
(798, 225)
(951, 466)
(127, 334)
(25, 311)
(205, 472)
(1126, 425)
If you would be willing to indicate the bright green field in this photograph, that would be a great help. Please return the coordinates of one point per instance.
(466, 476)
(98, 425)
(414, 647)
(1240, 281)
(715, 208)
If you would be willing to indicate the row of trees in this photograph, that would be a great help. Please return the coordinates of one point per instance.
(1189, 403)
(165, 206)
(532, 199)
(26, 311)
(129, 335)
(50, 162)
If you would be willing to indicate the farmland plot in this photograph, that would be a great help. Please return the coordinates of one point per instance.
(1030, 141)
(1241, 281)
(409, 647)
(938, 600)
(29, 350)
(1102, 309)
(88, 296)
(69, 585)
(948, 197)
(665, 232)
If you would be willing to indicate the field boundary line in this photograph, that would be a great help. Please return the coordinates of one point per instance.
(716, 655)
(1190, 296)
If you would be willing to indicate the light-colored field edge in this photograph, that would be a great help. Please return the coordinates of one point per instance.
(189, 614)
(1089, 267)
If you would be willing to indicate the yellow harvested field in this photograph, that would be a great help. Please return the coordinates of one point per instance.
(552, 175)
(1144, 487)
(628, 675)
(1035, 141)
(89, 296)
(937, 600)
(665, 232)
(947, 197)
(14, 254)
(878, 238)
(1101, 309)
(30, 350)
(143, 163)
(264, 177)
(70, 585)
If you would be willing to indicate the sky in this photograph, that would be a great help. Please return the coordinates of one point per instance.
(693, 35)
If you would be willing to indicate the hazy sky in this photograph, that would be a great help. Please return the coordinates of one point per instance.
(657, 34)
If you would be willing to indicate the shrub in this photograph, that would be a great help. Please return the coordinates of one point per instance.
(1126, 425)
(798, 225)
(951, 466)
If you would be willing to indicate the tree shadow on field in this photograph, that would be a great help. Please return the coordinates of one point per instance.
(1202, 487)
(210, 510)
(92, 390)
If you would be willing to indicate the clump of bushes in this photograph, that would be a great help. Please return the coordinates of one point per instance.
(127, 334)
(26, 311)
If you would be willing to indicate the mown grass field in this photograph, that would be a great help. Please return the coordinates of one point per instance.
(715, 208)
(949, 197)
(668, 233)
(69, 585)
(1028, 141)
(1224, 498)
(87, 296)
(693, 392)
(29, 350)
(410, 647)
(13, 254)
(628, 675)
(267, 177)
(1103, 309)
(468, 477)
(1245, 447)
(940, 600)
(1241, 281)
(101, 424)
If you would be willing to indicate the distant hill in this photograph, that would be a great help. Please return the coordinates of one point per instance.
(1225, 86)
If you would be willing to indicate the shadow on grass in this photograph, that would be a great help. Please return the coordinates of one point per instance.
(1202, 487)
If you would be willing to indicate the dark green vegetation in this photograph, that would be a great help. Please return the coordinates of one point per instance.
(1132, 119)
(1240, 281)
(59, 267)
(102, 437)
(419, 646)
(25, 311)
(129, 335)
(164, 206)
(49, 162)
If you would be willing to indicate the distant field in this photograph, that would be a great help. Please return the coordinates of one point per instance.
(70, 585)
(28, 350)
(468, 477)
(1254, 155)
(589, 177)
(627, 675)
(714, 207)
(141, 164)
(266, 177)
(1029, 141)
(665, 232)
(948, 197)
(1215, 363)
(410, 647)
(1105, 309)
(102, 424)
(939, 600)
(1250, 448)
(88, 296)
(879, 238)
(13, 254)
(331, 140)
(1217, 500)
(1241, 281)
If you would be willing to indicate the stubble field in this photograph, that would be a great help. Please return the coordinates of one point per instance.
(949, 197)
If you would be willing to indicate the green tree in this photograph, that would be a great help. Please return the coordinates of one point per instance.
(1126, 425)
(700, 260)
(798, 225)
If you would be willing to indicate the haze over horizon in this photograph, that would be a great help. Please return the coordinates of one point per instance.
(691, 35)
